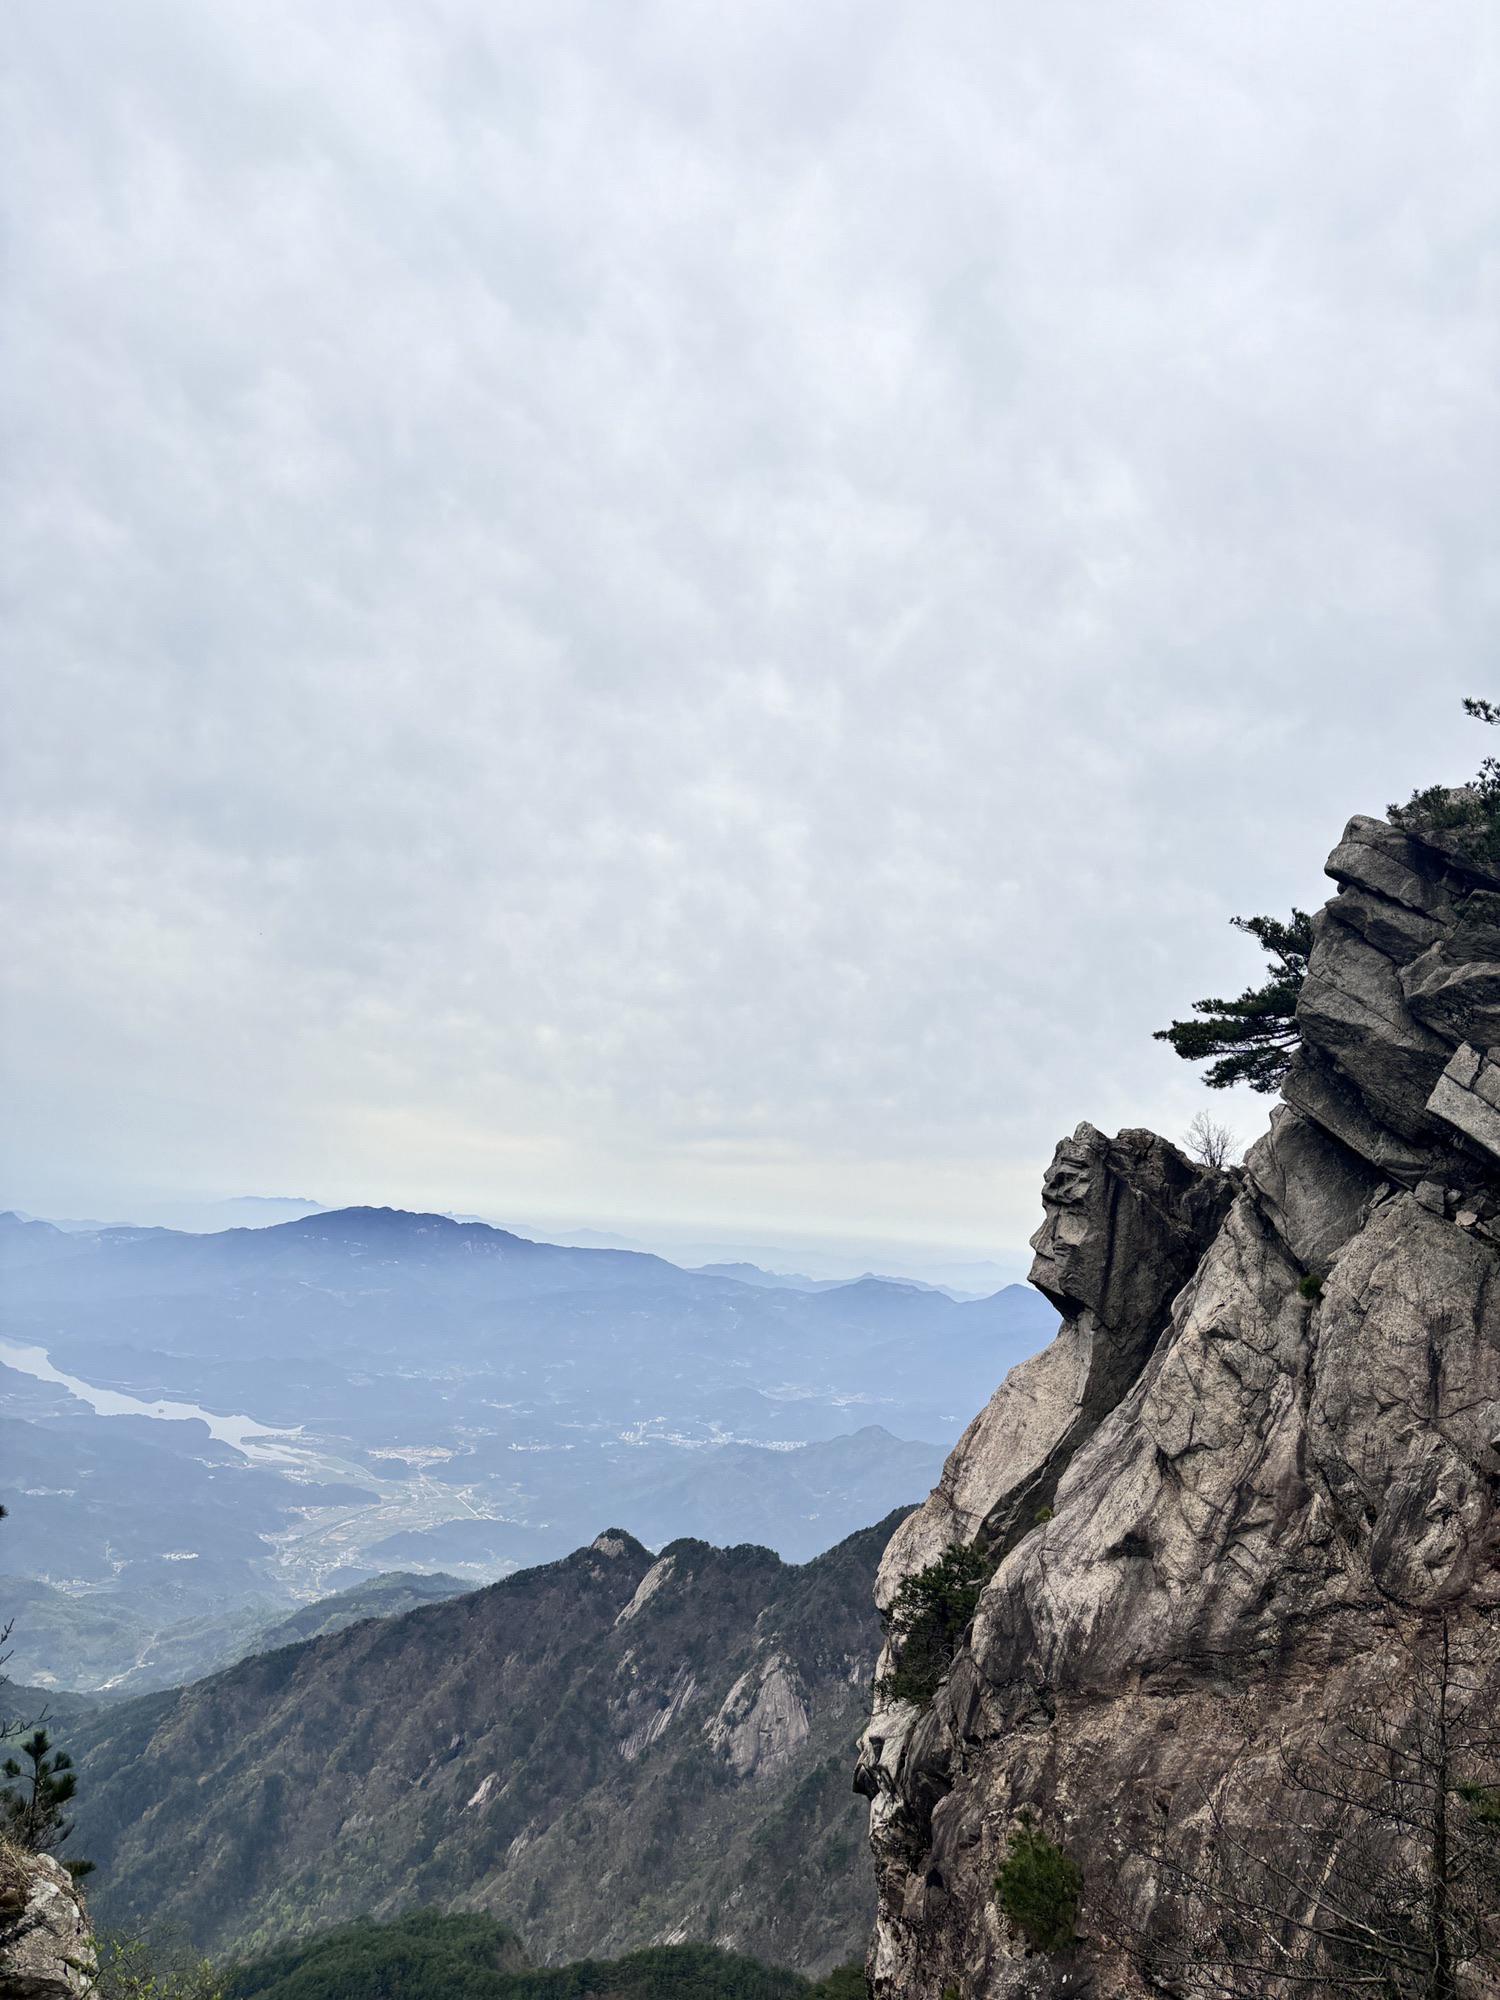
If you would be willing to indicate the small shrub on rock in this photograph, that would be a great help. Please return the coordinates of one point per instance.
(930, 1614)
(1469, 815)
(1038, 1887)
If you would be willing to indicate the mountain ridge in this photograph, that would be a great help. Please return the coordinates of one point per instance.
(617, 1747)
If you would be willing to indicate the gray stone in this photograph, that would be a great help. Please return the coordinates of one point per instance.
(1401, 934)
(1393, 866)
(1353, 1011)
(1313, 1189)
(1467, 1097)
(46, 1946)
(1125, 1222)
(1122, 1217)
(1315, 1087)
(1214, 1565)
(1457, 852)
(1454, 986)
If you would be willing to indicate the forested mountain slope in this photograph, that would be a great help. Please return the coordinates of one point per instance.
(613, 1750)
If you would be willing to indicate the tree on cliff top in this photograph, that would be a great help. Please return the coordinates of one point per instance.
(1250, 1040)
(1468, 814)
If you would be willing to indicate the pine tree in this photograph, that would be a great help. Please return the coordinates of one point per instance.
(1251, 1040)
(929, 1617)
(34, 1800)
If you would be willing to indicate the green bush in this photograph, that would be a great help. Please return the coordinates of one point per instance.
(1038, 1887)
(1311, 1286)
(429, 1956)
(929, 1616)
(160, 1966)
(845, 1982)
(416, 1956)
(1251, 1039)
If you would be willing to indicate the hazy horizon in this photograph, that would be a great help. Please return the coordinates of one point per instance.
(710, 614)
(683, 1240)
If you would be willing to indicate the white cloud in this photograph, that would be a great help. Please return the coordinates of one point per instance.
(709, 610)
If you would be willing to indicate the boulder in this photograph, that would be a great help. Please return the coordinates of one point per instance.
(1353, 1011)
(46, 1946)
(1125, 1222)
(1467, 1097)
(1312, 1188)
(1394, 868)
(1454, 986)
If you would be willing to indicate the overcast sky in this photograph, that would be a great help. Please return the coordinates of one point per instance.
(705, 611)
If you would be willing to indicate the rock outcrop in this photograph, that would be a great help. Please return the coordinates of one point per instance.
(46, 1947)
(1272, 1414)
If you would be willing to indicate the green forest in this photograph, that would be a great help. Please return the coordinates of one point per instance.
(430, 1956)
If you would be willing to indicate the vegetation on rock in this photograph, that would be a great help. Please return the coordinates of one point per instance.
(929, 1616)
(1468, 814)
(163, 1966)
(33, 1801)
(1038, 1887)
(1251, 1039)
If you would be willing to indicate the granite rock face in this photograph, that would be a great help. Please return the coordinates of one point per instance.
(1272, 1412)
(46, 1947)
(1127, 1220)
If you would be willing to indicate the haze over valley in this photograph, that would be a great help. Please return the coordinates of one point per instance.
(204, 1430)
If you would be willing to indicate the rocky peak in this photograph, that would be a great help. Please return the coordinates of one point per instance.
(1272, 1413)
(1125, 1223)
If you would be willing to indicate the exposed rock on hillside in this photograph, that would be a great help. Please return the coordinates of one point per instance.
(46, 1948)
(1127, 1220)
(612, 1751)
(1272, 1415)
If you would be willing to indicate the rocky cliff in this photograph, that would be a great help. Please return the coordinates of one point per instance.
(46, 1946)
(1267, 1432)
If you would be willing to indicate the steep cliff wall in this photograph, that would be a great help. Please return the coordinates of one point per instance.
(1271, 1421)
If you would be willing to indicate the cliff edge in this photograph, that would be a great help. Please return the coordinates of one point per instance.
(1265, 1441)
(46, 1946)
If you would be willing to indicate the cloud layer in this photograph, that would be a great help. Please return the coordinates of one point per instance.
(707, 611)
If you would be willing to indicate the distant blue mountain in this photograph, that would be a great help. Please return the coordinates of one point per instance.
(451, 1395)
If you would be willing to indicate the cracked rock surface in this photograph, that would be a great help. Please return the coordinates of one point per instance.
(46, 1946)
(1272, 1411)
